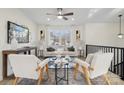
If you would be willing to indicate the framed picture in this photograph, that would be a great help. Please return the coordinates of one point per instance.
(20, 33)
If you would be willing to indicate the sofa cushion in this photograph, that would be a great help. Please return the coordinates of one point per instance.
(71, 48)
(50, 49)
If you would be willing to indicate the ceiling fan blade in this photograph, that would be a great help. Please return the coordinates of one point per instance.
(51, 14)
(65, 18)
(68, 14)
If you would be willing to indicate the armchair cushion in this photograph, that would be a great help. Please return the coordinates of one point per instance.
(98, 63)
(101, 63)
(25, 66)
(89, 58)
(43, 63)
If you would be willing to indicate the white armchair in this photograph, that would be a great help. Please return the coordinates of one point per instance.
(95, 65)
(27, 66)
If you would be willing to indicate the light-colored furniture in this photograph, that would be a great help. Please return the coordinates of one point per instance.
(27, 66)
(62, 53)
(6, 52)
(95, 65)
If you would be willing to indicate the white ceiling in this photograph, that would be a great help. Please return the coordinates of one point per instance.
(81, 15)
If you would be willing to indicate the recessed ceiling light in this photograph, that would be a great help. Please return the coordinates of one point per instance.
(48, 19)
(72, 19)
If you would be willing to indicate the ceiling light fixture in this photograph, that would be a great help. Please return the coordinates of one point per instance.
(59, 17)
(116, 11)
(120, 35)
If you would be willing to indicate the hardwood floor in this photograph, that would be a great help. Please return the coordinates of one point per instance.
(114, 79)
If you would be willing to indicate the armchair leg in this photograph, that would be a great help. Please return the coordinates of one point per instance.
(106, 79)
(86, 75)
(75, 70)
(40, 76)
(15, 81)
(47, 70)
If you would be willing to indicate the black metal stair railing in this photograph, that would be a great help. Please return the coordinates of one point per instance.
(117, 64)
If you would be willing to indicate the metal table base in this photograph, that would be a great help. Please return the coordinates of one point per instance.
(65, 72)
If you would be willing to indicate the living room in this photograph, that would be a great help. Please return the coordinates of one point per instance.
(99, 24)
(80, 28)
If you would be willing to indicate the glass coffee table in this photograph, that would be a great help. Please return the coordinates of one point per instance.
(61, 67)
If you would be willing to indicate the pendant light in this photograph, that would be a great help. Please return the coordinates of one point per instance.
(120, 35)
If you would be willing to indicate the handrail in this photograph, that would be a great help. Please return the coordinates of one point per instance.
(105, 46)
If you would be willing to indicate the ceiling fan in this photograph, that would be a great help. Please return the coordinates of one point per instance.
(60, 15)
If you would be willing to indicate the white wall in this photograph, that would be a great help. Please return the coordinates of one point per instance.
(18, 17)
(103, 34)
